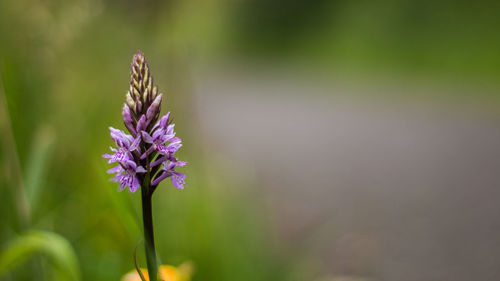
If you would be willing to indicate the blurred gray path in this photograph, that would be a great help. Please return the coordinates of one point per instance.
(391, 190)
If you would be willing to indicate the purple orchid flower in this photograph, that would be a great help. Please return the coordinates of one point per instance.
(127, 175)
(177, 178)
(158, 140)
(126, 144)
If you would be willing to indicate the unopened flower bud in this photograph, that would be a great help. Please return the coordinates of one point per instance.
(141, 124)
(154, 92)
(154, 110)
(141, 86)
(130, 101)
(128, 120)
(164, 121)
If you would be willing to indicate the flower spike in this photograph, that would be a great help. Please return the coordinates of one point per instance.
(151, 141)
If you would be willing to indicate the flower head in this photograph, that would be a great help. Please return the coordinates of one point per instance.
(150, 147)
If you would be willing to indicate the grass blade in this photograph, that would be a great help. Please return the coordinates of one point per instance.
(51, 245)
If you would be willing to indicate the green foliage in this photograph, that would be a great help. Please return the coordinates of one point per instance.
(52, 246)
(38, 164)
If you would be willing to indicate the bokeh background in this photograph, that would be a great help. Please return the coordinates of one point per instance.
(326, 140)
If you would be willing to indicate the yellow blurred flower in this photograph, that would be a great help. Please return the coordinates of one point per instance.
(165, 273)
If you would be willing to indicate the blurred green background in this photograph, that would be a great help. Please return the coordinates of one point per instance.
(64, 69)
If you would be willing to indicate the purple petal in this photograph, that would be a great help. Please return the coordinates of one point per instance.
(145, 154)
(178, 180)
(116, 169)
(127, 119)
(117, 178)
(173, 147)
(159, 161)
(134, 185)
(146, 137)
(158, 134)
(181, 163)
(162, 149)
(135, 144)
(169, 166)
(180, 175)
(164, 120)
(168, 137)
(160, 178)
(130, 138)
(112, 159)
(141, 124)
(123, 183)
(171, 157)
(140, 169)
(130, 165)
(170, 129)
(121, 139)
(154, 108)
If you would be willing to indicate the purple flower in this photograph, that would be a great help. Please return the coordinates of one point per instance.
(127, 175)
(163, 123)
(152, 141)
(177, 178)
(126, 144)
(158, 140)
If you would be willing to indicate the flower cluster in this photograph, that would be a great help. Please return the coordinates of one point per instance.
(148, 152)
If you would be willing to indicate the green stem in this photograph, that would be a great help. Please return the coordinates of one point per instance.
(147, 218)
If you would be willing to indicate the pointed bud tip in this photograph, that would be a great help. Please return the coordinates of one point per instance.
(158, 99)
(138, 59)
(129, 100)
(138, 55)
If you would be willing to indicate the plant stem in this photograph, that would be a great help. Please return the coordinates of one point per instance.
(147, 218)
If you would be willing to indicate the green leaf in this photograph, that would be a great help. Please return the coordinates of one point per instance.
(51, 245)
(38, 163)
